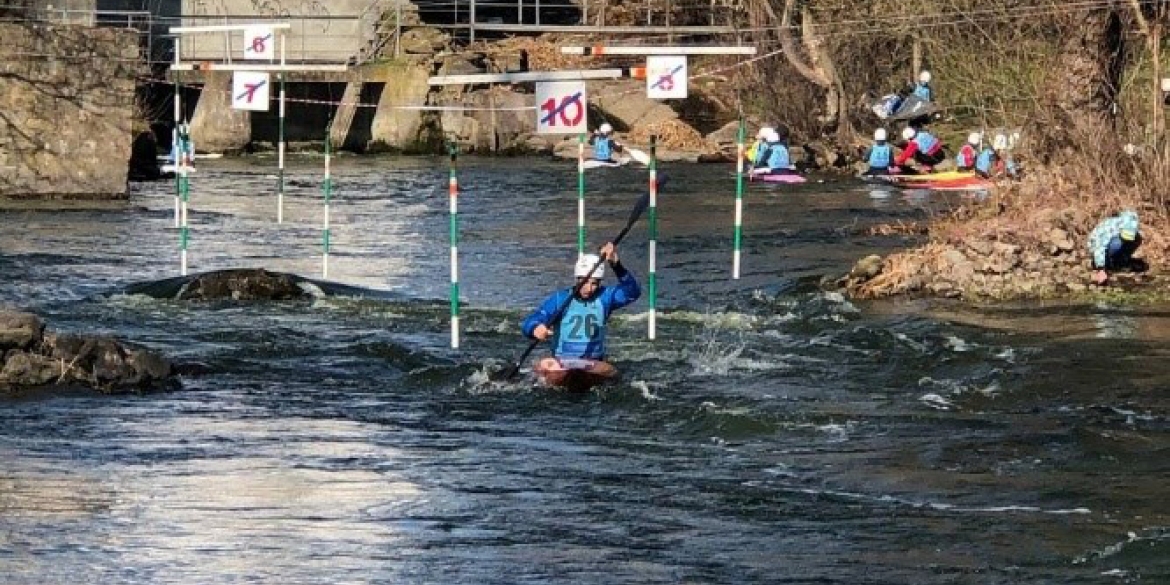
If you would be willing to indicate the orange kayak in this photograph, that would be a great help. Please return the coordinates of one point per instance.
(574, 374)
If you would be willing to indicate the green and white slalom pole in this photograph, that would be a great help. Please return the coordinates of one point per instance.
(738, 239)
(184, 230)
(280, 140)
(175, 134)
(453, 191)
(581, 194)
(327, 188)
(652, 279)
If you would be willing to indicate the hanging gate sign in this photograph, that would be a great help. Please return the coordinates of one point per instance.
(562, 107)
(250, 91)
(666, 77)
(259, 43)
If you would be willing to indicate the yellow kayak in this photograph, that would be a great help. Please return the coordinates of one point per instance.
(946, 176)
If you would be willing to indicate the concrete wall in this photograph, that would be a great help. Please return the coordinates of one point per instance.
(322, 32)
(66, 108)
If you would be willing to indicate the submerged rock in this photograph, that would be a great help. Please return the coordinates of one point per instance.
(238, 284)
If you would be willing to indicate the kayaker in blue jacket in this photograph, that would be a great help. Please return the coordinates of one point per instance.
(922, 90)
(1112, 244)
(604, 145)
(580, 331)
(776, 159)
(880, 155)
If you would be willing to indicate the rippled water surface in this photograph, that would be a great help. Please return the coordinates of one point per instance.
(772, 433)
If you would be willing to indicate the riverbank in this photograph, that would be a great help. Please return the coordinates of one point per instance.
(1027, 239)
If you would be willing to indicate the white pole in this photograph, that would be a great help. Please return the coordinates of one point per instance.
(328, 195)
(280, 141)
(596, 50)
(175, 134)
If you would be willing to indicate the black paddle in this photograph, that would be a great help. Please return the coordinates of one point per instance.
(511, 371)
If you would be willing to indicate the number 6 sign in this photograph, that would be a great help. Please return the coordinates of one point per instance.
(259, 43)
(562, 107)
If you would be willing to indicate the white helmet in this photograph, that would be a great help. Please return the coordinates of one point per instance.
(1000, 142)
(773, 136)
(909, 133)
(879, 134)
(974, 138)
(586, 263)
(605, 128)
(924, 77)
(764, 132)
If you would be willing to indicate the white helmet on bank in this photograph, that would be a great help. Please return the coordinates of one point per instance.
(764, 132)
(586, 263)
(879, 134)
(924, 77)
(605, 128)
(909, 133)
(974, 138)
(773, 136)
(1000, 142)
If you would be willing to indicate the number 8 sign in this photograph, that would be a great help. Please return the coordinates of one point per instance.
(562, 107)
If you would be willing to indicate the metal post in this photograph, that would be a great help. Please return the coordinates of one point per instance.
(471, 22)
(280, 140)
(538, 12)
(652, 279)
(519, 11)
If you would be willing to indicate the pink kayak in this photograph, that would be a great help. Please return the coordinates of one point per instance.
(574, 374)
(792, 179)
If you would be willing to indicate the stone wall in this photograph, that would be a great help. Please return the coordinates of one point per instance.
(66, 108)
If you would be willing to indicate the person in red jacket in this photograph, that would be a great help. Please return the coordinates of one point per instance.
(921, 147)
(965, 160)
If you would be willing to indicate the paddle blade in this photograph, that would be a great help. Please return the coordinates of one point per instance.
(505, 374)
(639, 155)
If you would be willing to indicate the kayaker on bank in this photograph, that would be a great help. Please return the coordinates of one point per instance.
(1112, 244)
(880, 155)
(921, 147)
(922, 89)
(969, 153)
(580, 331)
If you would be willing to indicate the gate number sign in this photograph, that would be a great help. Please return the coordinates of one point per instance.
(666, 77)
(561, 107)
(259, 43)
(250, 91)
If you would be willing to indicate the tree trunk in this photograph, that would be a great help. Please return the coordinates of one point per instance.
(1080, 93)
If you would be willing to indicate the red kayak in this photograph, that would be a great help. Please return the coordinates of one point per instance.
(574, 374)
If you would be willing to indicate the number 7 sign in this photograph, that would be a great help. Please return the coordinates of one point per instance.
(562, 107)
(250, 91)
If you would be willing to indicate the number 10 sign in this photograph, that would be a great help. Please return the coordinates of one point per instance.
(561, 107)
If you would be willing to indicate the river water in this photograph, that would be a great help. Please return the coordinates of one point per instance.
(772, 433)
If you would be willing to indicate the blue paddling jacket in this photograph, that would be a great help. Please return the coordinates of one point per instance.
(922, 91)
(581, 330)
(985, 161)
(880, 156)
(778, 157)
(603, 148)
(1109, 228)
